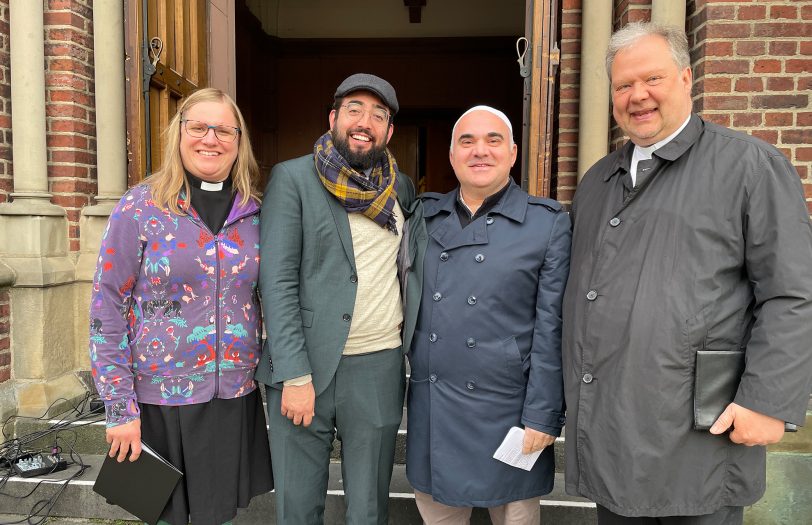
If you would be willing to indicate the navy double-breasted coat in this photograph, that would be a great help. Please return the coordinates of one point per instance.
(486, 353)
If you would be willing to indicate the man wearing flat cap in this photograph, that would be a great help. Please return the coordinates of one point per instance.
(341, 234)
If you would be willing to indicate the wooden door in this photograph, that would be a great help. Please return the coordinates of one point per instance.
(176, 28)
(541, 32)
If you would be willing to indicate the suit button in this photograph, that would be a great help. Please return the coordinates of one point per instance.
(588, 378)
(353, 278)
(470, 385)
(346, 317)
(489, 220)
(433, 378)
(472, 300)
(437, 296)
(614, 222)
(432, 337)
(444, 256)
(471, 342)
(479, 257)
(592, 295)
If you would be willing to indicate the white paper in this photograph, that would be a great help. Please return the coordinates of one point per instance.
(510, 451)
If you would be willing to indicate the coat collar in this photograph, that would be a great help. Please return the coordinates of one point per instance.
(670, 152)
(449, 234)
(513, 204)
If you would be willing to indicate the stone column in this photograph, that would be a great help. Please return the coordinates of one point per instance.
(33, 235)
(111, 155)
(593, 118)
(669, 12)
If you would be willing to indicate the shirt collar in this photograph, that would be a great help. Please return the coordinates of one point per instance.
(670, 151)
(489, 202)
(644, 152)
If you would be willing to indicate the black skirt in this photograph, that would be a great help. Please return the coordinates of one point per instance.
(222, 449)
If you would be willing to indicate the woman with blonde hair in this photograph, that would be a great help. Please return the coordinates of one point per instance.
(175, 320)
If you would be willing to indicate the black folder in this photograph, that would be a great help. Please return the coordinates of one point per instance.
(141, 487)
(716, 380)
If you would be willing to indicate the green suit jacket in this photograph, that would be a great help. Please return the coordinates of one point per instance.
(307, 273)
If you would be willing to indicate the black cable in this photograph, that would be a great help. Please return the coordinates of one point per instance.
(14, 449)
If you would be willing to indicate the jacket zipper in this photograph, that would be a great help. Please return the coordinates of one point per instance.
(217, 315)
(217, 293)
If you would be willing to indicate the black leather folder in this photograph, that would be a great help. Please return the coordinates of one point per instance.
(141, 487)
(716, 380)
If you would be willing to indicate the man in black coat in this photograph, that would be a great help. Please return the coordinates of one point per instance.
(690, 240)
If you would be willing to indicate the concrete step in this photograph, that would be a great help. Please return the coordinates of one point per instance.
(87, 437)
(79, 503)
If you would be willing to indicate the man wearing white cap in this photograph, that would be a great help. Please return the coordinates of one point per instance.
(486, 353)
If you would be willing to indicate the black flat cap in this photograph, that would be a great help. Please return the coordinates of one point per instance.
(373, 84)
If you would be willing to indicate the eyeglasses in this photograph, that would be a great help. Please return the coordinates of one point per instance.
(198, 130)
(356, 110)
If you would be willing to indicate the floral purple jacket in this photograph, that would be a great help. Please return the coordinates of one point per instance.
(174, 315)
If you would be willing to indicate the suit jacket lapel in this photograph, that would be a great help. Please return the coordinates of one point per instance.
(342, 225)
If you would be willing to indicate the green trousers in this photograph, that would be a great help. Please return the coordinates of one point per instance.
(363, 407)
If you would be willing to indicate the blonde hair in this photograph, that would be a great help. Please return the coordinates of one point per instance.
(167, 183)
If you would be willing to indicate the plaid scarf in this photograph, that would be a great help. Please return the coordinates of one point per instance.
(374, 196)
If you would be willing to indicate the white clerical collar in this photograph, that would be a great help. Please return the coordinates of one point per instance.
(645, 152)
(211, 186)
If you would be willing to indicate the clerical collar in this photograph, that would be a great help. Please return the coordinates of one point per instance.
(199, 183)
(644, 152)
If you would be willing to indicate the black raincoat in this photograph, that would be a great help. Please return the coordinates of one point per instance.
(713, 251)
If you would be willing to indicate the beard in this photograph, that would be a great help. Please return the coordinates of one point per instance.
(360, 160)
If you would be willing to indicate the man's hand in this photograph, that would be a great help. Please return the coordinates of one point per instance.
(298, 403)
(749, 427)
(535, 440)
(125, 438)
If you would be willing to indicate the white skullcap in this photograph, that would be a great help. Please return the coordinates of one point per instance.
(490, 110)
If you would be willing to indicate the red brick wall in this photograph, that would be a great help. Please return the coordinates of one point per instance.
(5, 106)
(631, 11)
(70, 108)
(753, 67)
(752, 64)
(565, 163)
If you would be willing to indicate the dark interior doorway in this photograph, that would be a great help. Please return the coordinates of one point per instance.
(286, 76)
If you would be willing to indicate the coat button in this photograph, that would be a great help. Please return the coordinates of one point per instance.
(588, 378)
(614, 221)
(479, 257)
(437, 296)
(470, 385)
(444, 256)
(353, 278)
(472, 300)
(433, 378)
(432, 337)
(489, 220)
(592, 295)
(471, 342)
(346, 317)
